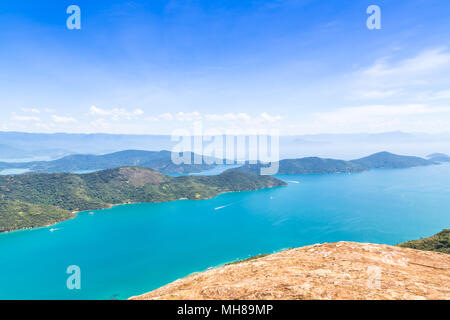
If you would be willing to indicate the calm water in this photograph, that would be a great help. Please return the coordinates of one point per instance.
(133, 249)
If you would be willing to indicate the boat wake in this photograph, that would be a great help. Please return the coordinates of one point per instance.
(293, 181)
(221, 207)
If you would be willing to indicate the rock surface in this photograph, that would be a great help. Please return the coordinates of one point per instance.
(343, 270)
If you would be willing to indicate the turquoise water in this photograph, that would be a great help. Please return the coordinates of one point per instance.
(133, 249)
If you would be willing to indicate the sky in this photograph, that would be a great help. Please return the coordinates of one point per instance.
(152, 67)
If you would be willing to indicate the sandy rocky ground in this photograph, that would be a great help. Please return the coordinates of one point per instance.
(343, 270)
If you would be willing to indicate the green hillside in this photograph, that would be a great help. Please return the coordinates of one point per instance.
(309, 165)
(33, 200)
(158, 160)
(388, 160)
(315, 165)
(439, 242)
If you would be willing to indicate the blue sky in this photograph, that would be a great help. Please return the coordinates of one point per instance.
(303, 66)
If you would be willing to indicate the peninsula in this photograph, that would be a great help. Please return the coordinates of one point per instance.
(36, 200)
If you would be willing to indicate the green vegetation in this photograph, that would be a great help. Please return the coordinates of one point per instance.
(439, 242)
(248, 259)
(158, 160)
(309, 165)
(315, 165)
(33, 200)
(391, 161)
(16, 215)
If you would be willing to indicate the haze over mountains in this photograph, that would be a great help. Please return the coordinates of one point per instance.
(19, 145)
(157, 160)
(439, 157)
(162, 162)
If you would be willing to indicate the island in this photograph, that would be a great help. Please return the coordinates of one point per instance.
(439, 157)
(158, 160)
(316, 165)
(36, 200)
(387, 160)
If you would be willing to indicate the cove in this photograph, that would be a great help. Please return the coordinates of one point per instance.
(132, 249)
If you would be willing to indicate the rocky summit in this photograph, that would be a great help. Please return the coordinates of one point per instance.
(343, 270)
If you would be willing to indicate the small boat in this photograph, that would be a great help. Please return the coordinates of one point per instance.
(221, 207)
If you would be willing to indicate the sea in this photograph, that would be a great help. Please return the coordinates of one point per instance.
(132, 249)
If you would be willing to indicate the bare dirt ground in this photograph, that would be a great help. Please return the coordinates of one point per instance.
(343, 270)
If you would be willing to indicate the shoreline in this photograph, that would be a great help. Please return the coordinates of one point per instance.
(76, 213)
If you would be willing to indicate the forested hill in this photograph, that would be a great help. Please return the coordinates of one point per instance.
(313, 165)
(34, 200)
(439, 242)
(158, 160)
(308, 165)
(391, 161)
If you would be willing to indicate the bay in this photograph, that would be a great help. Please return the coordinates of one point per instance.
(132, 249)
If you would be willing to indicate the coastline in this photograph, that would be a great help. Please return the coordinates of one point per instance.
(218, 266)
(75, 213)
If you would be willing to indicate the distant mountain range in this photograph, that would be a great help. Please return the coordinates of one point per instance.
(161, 161)
(158, 160)
(36, 200)
(439, 157)
(336, 146)
(314, 165)
(8, 152)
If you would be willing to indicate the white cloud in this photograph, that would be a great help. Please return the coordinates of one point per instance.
(434, 95)
(425, 62)
(408, 78)
(30, 110)
(188, 116)
(59, 119)
(99, 124)
(376, 118)
(99, 112)
(25, 118)
(165, 116)
(116, 113)
(270, 118)
(228, 117)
